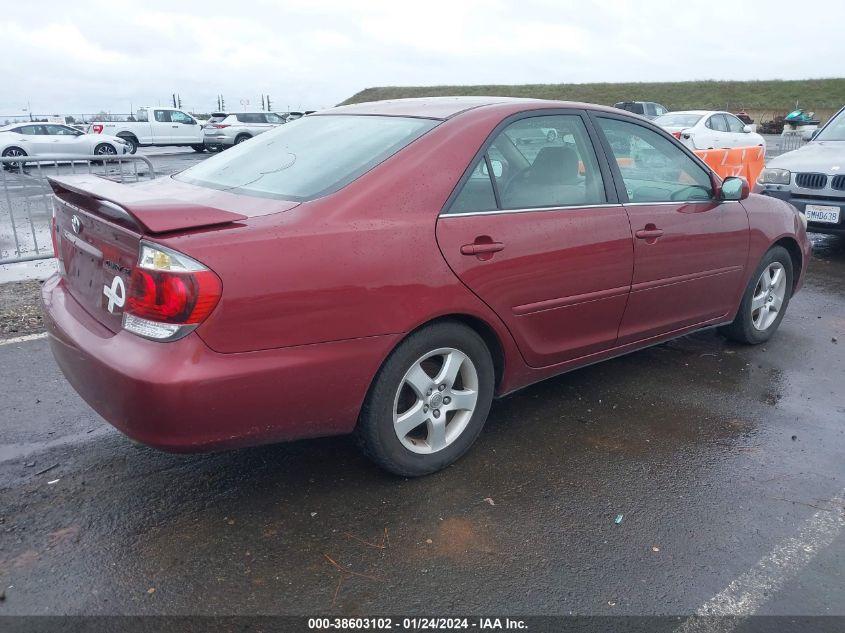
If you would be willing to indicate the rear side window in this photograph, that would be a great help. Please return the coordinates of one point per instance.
(162, 116)
(653, 168)
(536, 162)
(32, 130)
(250, 117)
(142, 116)
(308, 158)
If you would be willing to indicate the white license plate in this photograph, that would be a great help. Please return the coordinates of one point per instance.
(822, 213)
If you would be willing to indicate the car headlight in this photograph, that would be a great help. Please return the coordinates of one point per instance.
(774, 176)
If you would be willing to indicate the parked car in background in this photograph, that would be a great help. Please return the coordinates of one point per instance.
(161, 127)
(227, 129)
(648, 109)
(387, 269)
(48, 140)
(706, 129)
(812, 178)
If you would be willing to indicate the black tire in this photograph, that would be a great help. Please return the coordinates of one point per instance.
(13, 151)
(375, 431)
(132, 141)
(743, 330)
(198, 148)
(241, 138)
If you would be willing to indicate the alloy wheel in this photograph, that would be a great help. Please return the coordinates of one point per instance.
(435, 400)
(768, 296)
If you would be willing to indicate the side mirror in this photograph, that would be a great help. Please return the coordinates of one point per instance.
(809, 135)
(747, 129)
(734, 188)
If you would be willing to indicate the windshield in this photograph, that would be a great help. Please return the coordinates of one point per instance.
(678, 120)
(834, 130)
(308, 158)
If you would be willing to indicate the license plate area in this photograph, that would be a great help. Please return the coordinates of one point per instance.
(822, 213)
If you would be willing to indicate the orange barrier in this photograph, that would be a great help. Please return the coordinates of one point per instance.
(746, 162)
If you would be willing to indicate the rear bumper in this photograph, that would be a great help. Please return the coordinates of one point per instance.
(184, 397)
(218, 141)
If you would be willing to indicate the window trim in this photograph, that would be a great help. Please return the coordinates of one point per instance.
(610, 192)
(621, 190)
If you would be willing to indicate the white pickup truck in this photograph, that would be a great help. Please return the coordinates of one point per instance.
(162, 127)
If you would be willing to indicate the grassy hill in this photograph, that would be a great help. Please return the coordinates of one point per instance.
(763, 98)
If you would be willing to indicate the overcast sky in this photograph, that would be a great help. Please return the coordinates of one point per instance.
(74, 56)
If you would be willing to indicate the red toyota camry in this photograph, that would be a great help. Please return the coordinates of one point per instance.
(388, 269)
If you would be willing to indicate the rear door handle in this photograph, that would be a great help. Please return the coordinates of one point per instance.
(649, 233)
(482, 248)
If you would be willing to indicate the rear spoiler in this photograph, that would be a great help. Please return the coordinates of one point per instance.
(152, 215)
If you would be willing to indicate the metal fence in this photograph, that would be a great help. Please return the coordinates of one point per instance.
(26, 197)
(791, 140)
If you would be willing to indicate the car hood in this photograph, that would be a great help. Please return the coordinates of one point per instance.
(826, 157)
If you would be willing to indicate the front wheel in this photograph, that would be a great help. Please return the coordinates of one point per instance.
(198, 148)
(765, 300)
(429, 401)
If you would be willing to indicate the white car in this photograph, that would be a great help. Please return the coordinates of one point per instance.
(49, 140)
(707, 129)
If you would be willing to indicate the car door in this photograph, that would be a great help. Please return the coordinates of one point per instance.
(66, 140)
(162, 128)
(717, 133)
(690, 249)
(35, 139)
(736, 130)
(184, 128)
(537, 233)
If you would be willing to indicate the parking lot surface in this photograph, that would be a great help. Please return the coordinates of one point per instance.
(695, 475)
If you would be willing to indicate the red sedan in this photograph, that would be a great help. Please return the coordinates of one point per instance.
(388, 269)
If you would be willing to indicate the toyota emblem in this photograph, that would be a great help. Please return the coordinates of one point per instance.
(76, 224)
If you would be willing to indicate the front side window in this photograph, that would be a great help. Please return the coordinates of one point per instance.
(308, 158)
(61, 130)
(734, 124)
(650, 110)
(653, 168)
(274, 118)
(536, 162)
(659, 109)
(180, 117)
(162, 116)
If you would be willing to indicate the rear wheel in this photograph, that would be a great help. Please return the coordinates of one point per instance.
(765, 300)
(198, 148)
(241, 138)
(13, 152)
(429, 401)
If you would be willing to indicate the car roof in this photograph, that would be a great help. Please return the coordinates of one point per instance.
(447, 107)
(701, 112)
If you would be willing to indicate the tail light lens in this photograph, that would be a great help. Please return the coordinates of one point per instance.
(169, 295)
(220, 126)
(98, 129)
(677, 135)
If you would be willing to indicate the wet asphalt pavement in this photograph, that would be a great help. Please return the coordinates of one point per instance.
(714, 454)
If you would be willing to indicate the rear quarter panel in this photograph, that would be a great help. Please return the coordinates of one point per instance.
(358, 263)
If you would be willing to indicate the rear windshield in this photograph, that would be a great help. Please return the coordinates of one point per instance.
(307, 158)
(216, 118)
(678, 120)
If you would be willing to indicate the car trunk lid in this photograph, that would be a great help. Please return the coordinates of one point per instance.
(99, 225)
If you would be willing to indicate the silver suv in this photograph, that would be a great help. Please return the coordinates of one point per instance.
(226, 129)
(812, 178)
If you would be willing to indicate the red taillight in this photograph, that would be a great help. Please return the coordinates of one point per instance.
(220, 126)
(677, 135)
(185, 298)
(98, 129)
